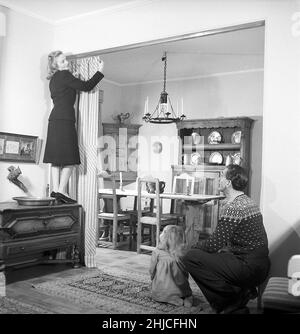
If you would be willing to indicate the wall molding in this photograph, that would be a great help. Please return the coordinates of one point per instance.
(105, 11)
(19, 9)
(2, 24)
(175, 38)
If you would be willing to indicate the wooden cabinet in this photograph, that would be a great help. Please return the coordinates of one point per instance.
(195, 152)
(201, 146)
(27, 232)
(119, 149)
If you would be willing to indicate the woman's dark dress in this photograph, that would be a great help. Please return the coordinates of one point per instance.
(62, 142)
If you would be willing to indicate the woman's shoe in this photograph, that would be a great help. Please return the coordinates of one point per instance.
(64, 198)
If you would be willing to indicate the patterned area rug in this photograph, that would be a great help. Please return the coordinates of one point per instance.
(111, 291)
(13, 306)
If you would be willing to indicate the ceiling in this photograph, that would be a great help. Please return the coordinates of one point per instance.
(237, 51)
(241, 50)
(58, 10)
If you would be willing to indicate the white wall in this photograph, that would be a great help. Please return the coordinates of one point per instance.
(281, 150)
(111, 105)
(280, 174)
(230, 95)
(221, 95)
(24, 101)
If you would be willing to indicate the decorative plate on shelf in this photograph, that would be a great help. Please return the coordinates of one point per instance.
(196, 138)
(236, 159)
(216, 158)
(236, 137)
(195, 158)
(214, 137)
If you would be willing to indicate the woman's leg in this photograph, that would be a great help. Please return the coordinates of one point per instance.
(66, 172)
(55, 171)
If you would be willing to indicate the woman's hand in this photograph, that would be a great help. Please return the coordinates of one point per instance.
(101, 65)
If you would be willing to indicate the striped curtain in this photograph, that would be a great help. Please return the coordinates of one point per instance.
(87, 128)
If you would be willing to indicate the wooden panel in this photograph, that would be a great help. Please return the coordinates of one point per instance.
(39, 245)
(39, 225)
(27, 232)
(221, 122)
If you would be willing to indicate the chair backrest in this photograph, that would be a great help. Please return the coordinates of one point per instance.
(183, 184)
(156, 216)
(143, 181)
(111, 177)
(207, 185)
(200, 186)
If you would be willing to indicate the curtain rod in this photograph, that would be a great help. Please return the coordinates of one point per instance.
(168, 39)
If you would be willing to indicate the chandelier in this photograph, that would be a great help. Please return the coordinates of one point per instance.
(164, 112)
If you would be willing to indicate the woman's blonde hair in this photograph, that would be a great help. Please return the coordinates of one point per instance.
(173, 240)
(52, 64)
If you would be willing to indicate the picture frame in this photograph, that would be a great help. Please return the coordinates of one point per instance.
(18, 148)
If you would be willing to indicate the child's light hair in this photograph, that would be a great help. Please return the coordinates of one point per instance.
(173, 240)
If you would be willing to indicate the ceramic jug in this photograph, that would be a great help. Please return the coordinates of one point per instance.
(150, 187)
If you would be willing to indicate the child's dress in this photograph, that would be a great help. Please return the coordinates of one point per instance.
(169, 278)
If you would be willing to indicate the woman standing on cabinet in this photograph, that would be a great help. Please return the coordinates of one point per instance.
(62, 143)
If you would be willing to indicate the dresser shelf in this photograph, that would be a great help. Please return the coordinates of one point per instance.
(207, 175)
(211, 147)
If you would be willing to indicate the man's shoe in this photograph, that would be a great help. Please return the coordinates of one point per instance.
(242, 310)
(239, 304)
(253, 293)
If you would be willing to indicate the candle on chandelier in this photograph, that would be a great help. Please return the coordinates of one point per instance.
(147, 104)
(181, 106)
(145, 108)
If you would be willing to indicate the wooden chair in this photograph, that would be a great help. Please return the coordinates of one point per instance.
(183, 184)
(156, 220)
(207, 185)
(116, 217)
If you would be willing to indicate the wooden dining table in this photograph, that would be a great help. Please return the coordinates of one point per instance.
(190, 202)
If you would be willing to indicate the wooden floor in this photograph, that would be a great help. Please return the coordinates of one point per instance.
(20, 281)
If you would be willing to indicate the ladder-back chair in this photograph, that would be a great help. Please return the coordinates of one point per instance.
(156, 220)
(115, 218)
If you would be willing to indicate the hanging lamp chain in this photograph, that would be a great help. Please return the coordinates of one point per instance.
(164, 58)
(160, 115)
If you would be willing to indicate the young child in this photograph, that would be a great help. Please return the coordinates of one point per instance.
(168, 275)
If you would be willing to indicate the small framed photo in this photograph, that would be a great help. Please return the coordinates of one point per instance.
(16, 147)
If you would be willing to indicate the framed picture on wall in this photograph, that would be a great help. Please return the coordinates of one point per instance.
(16, 147)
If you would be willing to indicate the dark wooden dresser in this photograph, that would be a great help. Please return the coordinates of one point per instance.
(28, 232)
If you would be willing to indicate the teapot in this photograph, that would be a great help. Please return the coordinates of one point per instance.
(151, 187)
